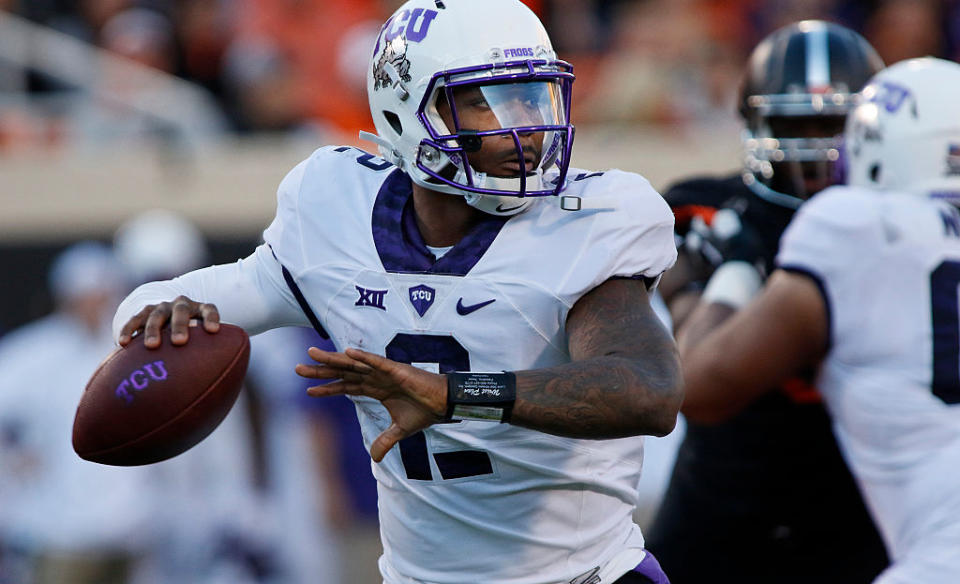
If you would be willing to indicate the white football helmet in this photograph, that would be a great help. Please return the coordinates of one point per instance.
(159, 244)
(905, 135)
(429, 48)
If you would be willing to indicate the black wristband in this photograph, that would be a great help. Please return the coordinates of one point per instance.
(480, 396)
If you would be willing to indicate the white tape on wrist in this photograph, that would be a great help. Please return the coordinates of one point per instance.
(734, 284)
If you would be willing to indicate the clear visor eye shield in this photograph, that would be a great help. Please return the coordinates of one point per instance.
(517, 100)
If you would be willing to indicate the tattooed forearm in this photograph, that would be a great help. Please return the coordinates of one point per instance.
(624, 378)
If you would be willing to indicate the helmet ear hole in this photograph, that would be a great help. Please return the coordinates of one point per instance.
(875, 172)
(394, 121)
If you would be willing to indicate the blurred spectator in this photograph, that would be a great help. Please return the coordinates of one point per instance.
(261, 89)
(82, 19)
(657, 71)
(123, 105)
(582, 26)
(297, 65)
(773, 14)
(309, 35)
(64, 520)
(143, 36)
(213, 528)
(904, 29)
(204, 30)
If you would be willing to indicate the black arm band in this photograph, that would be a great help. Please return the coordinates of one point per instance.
(480, 396)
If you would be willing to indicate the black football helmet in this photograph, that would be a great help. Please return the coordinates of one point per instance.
(800, 83)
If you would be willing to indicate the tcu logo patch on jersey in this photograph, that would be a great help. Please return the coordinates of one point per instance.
(422, 298)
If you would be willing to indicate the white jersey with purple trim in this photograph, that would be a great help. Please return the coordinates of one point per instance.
(468, 501)
(888, 265)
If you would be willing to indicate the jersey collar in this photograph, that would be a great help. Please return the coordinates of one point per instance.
(400, 245)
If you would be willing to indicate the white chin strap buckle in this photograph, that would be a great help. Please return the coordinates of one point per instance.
(568, 203)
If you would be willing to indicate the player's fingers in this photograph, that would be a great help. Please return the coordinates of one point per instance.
(211, 317)
(339, 387)
(338, 360)
(317, 371)
(371, 360)
(135, 323)
(182, 311)
(156, 320)
(327, 390)
(320, 355)
(385, 441)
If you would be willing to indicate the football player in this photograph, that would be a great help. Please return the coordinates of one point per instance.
(771, 479)
(490, 304)
(866, 291)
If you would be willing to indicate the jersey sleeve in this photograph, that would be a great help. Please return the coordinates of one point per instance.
(635, 239)
(284, 234)
(306, 199)
(250, 293)
(826, 241)
(827, 232)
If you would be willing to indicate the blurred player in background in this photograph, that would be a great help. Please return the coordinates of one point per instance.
(298, 475)
(765, 496)
(64, 520)
(213, 528)
(472, 250)
(866, 292)
(350, 488)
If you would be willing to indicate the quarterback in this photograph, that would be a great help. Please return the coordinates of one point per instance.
(866, 290)
(489, 303)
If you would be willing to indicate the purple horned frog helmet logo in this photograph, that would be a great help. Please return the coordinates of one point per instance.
(395, 54)
(406, 26)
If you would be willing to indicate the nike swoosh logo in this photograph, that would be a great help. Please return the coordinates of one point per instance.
(500, 208)
(465, 310)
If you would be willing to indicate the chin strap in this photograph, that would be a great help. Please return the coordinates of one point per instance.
(386, 148)
(504, 205)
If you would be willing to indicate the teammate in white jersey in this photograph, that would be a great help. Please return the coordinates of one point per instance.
(867, 289)
(470, 277)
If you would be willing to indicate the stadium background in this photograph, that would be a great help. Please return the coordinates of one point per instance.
(111, 107)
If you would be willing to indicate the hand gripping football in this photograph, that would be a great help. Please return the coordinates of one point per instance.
(146, 405)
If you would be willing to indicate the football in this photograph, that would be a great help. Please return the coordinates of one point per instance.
(146, 405)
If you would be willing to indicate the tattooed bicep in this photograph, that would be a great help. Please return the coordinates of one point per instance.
(615, 318)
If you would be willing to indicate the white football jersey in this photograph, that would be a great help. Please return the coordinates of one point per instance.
(888, 266)
(469, 501)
